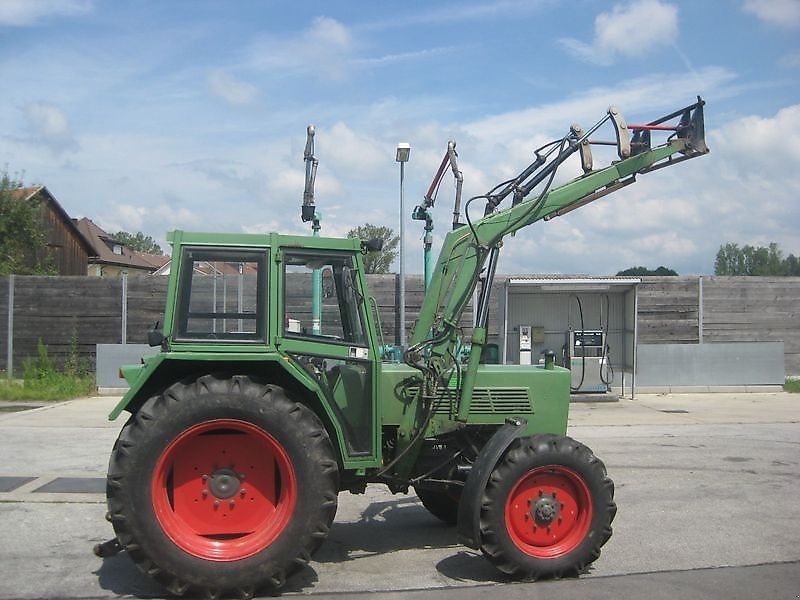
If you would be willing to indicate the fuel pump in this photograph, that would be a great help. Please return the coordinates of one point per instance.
(586, 358)
(586, 353)
(524, 344)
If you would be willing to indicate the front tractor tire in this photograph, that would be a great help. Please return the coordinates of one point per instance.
(441, 504)
(222, 485)
(547, 508)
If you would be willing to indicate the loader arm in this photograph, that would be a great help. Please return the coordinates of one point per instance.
(466, 250)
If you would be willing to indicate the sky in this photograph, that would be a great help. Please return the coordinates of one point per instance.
(152, 116)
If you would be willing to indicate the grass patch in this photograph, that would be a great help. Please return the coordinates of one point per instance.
(59, 387)
(792, 385)
(43, 383)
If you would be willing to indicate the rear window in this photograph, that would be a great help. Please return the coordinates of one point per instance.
(222, 295)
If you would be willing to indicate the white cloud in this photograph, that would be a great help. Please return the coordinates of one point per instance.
(669, 244)
(436, 15)
(651, 93)
(324, 48)
(230, 89)
(766, 146)
(156, 219)
(28, 12)
(791, 60)
(49, 125)
(629, 30)
(132, 216)
(780, 13)
(399, 57)
(355, 153)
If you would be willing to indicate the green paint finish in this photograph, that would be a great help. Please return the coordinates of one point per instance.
(339, 374)
(538, 394)
(274, 347)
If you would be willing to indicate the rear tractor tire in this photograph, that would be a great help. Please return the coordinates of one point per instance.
(547, 508)
(222, 485)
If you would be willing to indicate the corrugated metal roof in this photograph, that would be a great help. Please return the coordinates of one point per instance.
(571, 280)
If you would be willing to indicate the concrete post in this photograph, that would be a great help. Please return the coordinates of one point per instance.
(124, 333)
(10, 344)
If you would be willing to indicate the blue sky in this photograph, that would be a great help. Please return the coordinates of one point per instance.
(159, 115)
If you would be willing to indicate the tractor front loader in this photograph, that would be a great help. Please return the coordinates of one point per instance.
(258, 411)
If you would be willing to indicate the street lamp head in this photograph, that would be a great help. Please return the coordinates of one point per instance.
(403, 152)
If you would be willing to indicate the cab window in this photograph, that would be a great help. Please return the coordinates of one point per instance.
(222, 295)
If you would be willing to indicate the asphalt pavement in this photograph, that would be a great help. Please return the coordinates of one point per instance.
(707, 487)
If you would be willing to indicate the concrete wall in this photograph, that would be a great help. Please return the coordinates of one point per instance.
(723, 364)
(111, 356)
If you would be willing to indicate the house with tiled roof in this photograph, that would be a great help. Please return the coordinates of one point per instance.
(109, 258)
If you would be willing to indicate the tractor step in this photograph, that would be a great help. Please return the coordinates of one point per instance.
(107, 549)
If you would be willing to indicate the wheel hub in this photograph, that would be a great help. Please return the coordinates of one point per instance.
(225, 512)
(224, 483)
(545, 509)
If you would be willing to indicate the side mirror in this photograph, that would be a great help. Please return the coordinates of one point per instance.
(373, 245)
(155, 338)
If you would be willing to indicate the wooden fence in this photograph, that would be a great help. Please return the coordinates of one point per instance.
(88, 310)
(80, 312)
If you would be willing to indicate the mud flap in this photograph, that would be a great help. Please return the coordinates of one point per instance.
(469, 507)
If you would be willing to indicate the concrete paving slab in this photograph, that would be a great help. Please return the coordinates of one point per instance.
(73, 485)
(9, 484)
(732, 583)
(649, 409)
(712, 487)
(82, 412)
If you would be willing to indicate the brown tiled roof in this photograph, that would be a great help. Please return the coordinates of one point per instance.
(102, 246)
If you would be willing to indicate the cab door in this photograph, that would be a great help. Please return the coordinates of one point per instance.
(336, 348)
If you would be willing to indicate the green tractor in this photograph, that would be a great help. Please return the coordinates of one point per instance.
(249, 422)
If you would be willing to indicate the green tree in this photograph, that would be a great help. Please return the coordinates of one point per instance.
(377, 262)
(792, 265)
(644, 271)
(138, 241)
(23, 240)
(768, 260)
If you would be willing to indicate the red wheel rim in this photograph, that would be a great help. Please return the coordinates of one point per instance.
(223, 490)
(549, 511)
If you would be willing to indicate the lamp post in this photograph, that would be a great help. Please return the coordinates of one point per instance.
(402, 156)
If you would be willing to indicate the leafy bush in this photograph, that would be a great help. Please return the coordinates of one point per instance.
(41, 381)
(792, 385)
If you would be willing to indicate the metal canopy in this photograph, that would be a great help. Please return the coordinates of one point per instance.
(573, 284)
